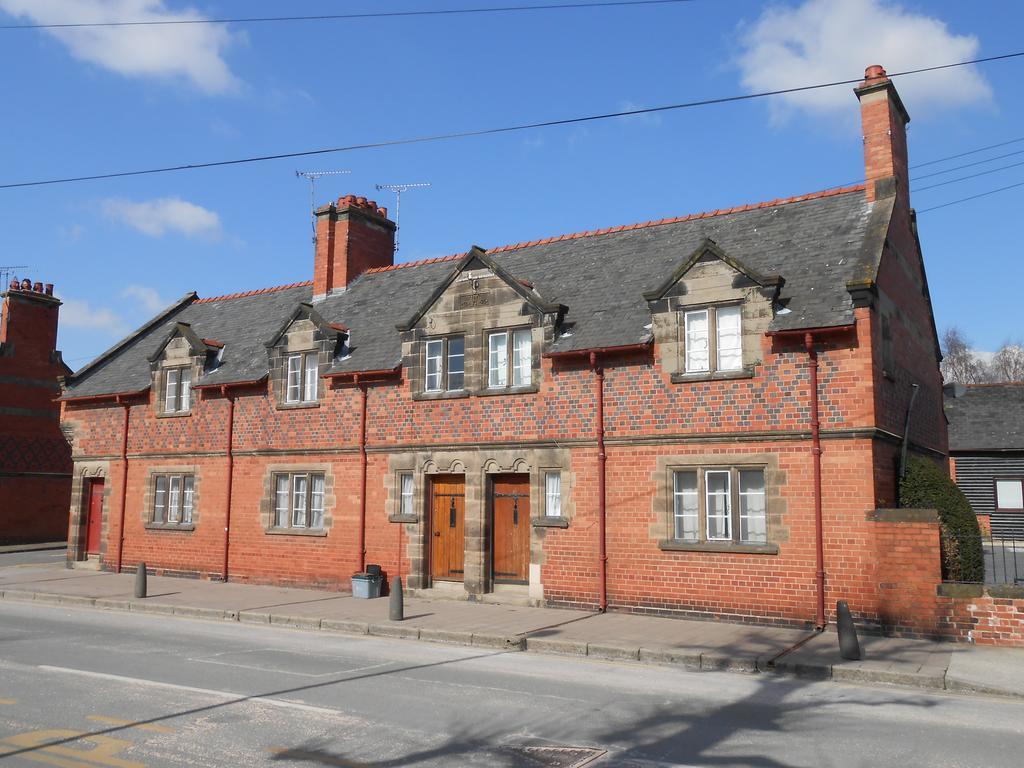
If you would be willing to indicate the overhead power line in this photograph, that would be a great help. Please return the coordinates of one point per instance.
(969, 152)
(968, 165)
(969, 176)
(492, 131)
(971, 197)
(349, 16)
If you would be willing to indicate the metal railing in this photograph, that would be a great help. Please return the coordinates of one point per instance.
(1001, 559)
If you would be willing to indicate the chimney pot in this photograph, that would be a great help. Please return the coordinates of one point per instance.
(26, 284)
(875, 73)
(37, 287)
(14, 284)
(48, 289)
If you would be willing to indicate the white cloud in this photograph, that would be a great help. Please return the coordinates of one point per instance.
(78, 313)
(822, 41)
(147, 298)
(193, 52)
(164, 214)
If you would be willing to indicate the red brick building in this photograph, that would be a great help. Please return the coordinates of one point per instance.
(696, 416)
(35, 459)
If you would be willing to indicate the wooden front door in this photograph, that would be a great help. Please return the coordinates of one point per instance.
(447, 519)
(510, 502)
(94, 517)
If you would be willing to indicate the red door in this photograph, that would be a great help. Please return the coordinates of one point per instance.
(94, 517)
(510, 504)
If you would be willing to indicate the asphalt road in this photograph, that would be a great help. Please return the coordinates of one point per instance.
(33, 557)
(90, 688)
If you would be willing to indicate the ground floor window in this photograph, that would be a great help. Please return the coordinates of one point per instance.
(1010, 494)
(173, 498)
(299, 500)
(719, 504)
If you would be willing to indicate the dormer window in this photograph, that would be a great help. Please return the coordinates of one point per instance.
(445, 364)
(177, 390)
(303, 375)
(509, 349)
(713, 339)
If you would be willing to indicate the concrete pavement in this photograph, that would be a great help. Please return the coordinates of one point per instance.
(694, 645)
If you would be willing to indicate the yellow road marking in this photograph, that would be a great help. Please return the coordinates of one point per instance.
(103, 754)
(8, 701)
(130, 723)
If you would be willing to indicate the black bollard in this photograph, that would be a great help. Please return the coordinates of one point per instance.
(140, 580)
(396, 609)
(849, 646)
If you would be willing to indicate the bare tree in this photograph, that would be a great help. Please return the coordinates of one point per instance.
(1008, 363)
(959, 363)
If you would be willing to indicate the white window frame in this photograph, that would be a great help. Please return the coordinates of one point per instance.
(406, 493)
(1009, 481)
(690, 336)
(553, 493)
(173, 498)
(510, 363)
(712, 337)
(298, 500)
(439, 352)
(736, 310)
(302, 377)
(698, 510)
(177, 389)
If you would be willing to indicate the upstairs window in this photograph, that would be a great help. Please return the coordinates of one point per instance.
(713, 339)
(1010, 494)
(509, 352)
(173, 498)
(177, 390)
(303, 377)
(445, 364)
(299, 500)
(720, 504)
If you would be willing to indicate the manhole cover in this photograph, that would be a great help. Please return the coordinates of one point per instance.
(558, 757)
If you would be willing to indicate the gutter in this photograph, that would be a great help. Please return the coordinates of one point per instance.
(124, 482)
(808, 334)
(231, 473)
(625, 348)
(116, 396)
(362, 375)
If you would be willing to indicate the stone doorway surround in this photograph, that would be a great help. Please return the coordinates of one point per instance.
(476, 464)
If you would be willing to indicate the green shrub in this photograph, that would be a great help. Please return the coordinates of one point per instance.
(927, 486)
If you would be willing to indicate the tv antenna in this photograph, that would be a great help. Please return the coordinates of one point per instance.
(311, 177)
(6, 272)
(398, 189)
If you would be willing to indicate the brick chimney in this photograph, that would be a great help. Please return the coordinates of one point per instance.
(352, 236)
(884, 124)
(28, 325)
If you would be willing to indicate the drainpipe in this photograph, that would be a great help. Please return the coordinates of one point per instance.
(231, 473)
(124, 483)
(362, 474)
(819, 536)
(602, 459)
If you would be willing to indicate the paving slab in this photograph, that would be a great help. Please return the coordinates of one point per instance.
(980, 669)
(695, 645)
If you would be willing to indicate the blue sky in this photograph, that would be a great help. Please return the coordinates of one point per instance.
(84, 102)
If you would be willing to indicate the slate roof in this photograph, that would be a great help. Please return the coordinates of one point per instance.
(817, 243)
(986, 417)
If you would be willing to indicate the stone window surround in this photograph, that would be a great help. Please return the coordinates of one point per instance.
(476, 465)
(159, 386)
(268, 497)
(149, 496)
(662, 531)
(475, 379)
(311, 341)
